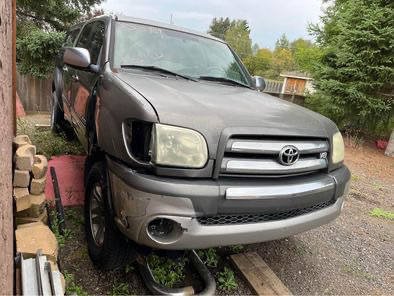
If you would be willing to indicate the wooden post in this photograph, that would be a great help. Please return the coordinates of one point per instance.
(6, 135)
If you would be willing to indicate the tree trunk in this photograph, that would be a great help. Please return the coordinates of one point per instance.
(6, 134)
(390, 146)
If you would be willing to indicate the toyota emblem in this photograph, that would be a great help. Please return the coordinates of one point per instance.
(289, 155)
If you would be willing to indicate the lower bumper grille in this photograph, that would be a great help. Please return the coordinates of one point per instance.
(256, 218)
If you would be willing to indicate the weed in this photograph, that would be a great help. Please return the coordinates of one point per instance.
(355, 178)
(355, 271)
(128, 269)
(209, 257)
(380, 213)
(227, 280)
(237, 248)
(353, 138)
(75, 216)
(61, 239)
(166, 271)
(120, 289)
(71, 286)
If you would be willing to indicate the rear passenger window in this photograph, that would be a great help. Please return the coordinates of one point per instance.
(92, 38)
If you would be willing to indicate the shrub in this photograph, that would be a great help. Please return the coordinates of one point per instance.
(36, 52)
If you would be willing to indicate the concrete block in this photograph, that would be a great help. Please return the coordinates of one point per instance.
(21, 178)
(27, 219)
(37, 205)
(37, 186)
(32, 238)
(22, 200)
(40, 166)
(29, 225)
(21, 140)
(24, 157)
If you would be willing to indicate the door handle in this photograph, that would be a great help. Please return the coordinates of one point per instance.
(75, 77)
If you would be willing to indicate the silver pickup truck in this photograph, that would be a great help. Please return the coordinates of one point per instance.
(184, 150)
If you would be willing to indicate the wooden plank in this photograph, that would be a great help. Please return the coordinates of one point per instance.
(259, 276)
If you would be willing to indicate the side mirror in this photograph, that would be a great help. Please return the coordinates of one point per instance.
(79, 58)
(259, 82)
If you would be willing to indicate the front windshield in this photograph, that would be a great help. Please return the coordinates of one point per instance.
(186, 54)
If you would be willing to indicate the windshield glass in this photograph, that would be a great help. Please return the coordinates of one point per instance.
(179, 52)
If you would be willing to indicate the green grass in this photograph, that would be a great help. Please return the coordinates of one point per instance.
(166, 271)
(71, 286)
(355, 271)
(48, 143)
(61, 239)
(380, 213)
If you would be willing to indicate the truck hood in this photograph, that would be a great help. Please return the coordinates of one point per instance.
(211, 107)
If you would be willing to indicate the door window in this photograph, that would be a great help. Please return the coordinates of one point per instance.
(92, 38)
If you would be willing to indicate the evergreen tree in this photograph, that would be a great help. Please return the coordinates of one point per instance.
(355, 77)
(219, 26)
(282, 42)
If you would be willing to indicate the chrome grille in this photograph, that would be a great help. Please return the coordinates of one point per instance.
(261, 156)
(256, 218)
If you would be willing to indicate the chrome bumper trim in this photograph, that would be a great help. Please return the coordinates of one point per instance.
(279, 191)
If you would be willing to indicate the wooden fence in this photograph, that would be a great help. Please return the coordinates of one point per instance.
(35, 94)
(273, 86)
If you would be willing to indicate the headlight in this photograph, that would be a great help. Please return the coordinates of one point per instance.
(338, 148)
(178, 147)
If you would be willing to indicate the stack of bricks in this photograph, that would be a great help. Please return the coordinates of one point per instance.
(32, 233)
(29, 182)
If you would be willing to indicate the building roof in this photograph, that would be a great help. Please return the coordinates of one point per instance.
(297, 74)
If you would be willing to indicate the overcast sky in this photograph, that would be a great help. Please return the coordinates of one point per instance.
(268, 19)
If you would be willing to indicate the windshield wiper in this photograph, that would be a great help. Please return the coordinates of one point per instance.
(158, 69)
(223, 79)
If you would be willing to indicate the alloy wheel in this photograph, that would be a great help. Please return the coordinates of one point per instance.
(97, 214)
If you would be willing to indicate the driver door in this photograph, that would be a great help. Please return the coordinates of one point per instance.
(83, 82)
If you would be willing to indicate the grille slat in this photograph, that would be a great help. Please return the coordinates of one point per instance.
(256, 218)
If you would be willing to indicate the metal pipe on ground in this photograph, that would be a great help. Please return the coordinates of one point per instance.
(58, 202)
(156, 288)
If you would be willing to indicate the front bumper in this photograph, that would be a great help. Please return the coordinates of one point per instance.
(139, 199)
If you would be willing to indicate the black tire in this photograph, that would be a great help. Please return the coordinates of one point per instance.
(57, 115)
(114, 251)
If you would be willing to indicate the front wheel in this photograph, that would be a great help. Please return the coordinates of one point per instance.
(108, 248)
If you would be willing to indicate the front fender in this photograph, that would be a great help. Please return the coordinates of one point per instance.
(116, 102)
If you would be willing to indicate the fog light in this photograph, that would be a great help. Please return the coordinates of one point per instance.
(164, 231)
(160, 227)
